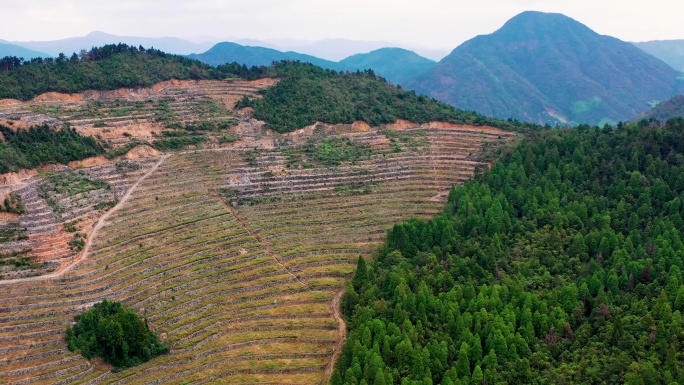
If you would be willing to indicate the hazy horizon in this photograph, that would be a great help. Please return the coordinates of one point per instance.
(434, 24)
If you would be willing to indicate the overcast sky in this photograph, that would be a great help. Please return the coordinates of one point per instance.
(428, 23)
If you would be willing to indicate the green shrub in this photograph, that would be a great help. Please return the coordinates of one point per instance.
(114, 333)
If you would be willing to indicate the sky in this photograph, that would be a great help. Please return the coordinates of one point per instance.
(424, 23)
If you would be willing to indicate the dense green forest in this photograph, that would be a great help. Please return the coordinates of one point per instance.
(562, 264)
(114, 333)
(307, 94)
(105, 68)
(43, 145)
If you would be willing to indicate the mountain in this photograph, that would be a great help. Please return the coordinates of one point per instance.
(669, 51)
(671, 108)
(338, 49)
(21, 52)
(98, 39)
(227, 52)
(549, 68)
(394, 64)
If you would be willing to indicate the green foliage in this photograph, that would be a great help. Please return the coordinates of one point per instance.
(668, 109)
(307, 94)
(114, 333)
(549, 68)
(562, 264)
(332, 152)
(12, 204)
(77, 242)
(177, 140)
(42, 145)
(70, 183)
(105, 68)
(12, 232)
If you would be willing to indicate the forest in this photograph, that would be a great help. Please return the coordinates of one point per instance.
(105, 68)
(307, 94)
(43, 145)
(114, 333)
(561, 264)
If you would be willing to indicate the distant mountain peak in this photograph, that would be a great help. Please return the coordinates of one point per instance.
(549, 68)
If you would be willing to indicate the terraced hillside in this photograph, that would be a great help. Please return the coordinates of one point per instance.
(120, 116)
(235, 255)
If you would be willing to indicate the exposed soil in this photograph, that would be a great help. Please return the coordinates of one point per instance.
(13, 178)
(89, 162)
(342, 336)
(141, 152)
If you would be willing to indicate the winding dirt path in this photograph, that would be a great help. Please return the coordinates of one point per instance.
(93, 232)
(342, 336)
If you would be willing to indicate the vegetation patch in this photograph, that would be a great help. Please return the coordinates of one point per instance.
(43, 145)
(114, 333)
(178, 140)
(326, 152)
(13, 204)
(400, 140)
(69, 183)
(12, 232)
(18, 261)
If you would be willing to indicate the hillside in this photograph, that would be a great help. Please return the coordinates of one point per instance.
(105, 68)
(234, 254)
(18, 51)
(549, 68)
(668, 109)
(563, 265)
(307, 94)
(669, 51)
(393, 64)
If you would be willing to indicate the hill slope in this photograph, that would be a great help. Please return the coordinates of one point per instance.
(18, 51)
(393, 64)
(671, 108)
(561, 265)
(106, 68)
(669, 51)
(549, 68)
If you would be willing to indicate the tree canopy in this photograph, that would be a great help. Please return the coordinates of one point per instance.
(562, 264)
(114, 333)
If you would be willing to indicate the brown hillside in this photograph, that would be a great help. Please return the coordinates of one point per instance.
(234, 254)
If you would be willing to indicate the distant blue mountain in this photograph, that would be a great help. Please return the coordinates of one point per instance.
(21, 52)
(227, 52)
(98, 39)
(549, 68)
(394, 64)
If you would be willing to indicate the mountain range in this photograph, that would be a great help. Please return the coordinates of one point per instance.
(7, 49)
(549, 68)
(539, 67)
(669, 51)
(394, 64)
(98, 39)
